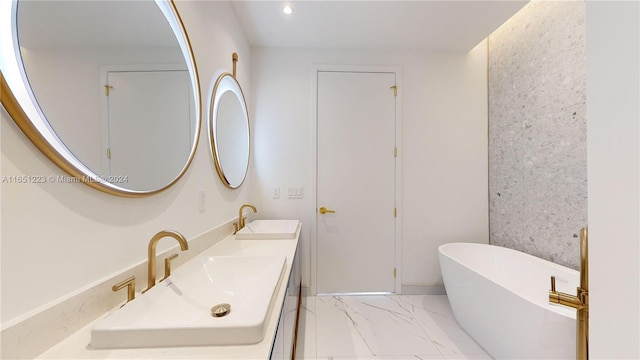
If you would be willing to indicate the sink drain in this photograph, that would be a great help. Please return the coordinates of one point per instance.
(220, 310)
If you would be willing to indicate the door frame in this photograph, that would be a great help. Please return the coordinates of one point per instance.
(313, 202)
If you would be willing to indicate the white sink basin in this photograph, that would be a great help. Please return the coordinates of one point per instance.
(177, 311)
(268, 230)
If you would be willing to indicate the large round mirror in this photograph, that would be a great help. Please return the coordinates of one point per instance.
(229, 131)
(108, 90)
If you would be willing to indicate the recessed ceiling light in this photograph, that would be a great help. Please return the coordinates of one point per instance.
(287, 9)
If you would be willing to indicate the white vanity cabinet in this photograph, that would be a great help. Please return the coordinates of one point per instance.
(284, 344)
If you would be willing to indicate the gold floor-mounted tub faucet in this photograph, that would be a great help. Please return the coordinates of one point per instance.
(240, 224)
(151, 271)
(580, 302)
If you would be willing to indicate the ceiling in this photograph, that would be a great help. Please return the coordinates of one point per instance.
(92, 24)
(382, 25)
(338, 24)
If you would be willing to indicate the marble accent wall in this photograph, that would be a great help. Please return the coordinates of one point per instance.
(537, 131)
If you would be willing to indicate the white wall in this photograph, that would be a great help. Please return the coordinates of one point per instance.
(613, 113)
(59, 238)
(443, 150)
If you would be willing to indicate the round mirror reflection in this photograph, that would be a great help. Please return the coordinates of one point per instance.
(229, 131)
(116, 99)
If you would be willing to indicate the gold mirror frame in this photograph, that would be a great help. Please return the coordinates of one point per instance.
(216, 95)
(29, 118)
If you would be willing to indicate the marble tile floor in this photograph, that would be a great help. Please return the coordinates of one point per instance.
(398, 327)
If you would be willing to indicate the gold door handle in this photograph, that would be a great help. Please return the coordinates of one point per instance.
(324, 210)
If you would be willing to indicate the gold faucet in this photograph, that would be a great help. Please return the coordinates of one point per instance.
(580, 302)
(240, 224)
(151, 271)
(130, 284)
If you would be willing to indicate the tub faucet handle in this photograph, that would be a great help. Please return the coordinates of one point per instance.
(553, 283)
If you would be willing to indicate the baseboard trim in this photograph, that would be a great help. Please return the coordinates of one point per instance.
(431, 289)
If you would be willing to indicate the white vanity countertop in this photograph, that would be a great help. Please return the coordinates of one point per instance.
(77, 345)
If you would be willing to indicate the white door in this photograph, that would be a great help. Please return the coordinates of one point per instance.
(149, 126)
(356, 179)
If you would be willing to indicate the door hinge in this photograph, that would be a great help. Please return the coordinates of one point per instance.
(106, 89)
(108, 153)
(395, 152)
(395, 212)
(395, 90)
(395, 272)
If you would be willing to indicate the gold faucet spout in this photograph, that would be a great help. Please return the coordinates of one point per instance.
(241, 223)
(151, 270)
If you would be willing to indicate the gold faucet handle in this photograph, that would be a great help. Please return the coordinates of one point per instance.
(553, 283)
(239, 224)
(130, 284)
(167, 265)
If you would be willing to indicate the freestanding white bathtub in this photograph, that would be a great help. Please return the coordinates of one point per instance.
(500, 297)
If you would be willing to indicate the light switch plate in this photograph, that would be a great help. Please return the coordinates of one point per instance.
(295, 192)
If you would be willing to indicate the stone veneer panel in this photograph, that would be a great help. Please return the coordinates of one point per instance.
(537, 131)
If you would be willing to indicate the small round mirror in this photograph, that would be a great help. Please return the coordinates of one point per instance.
(229, 131)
